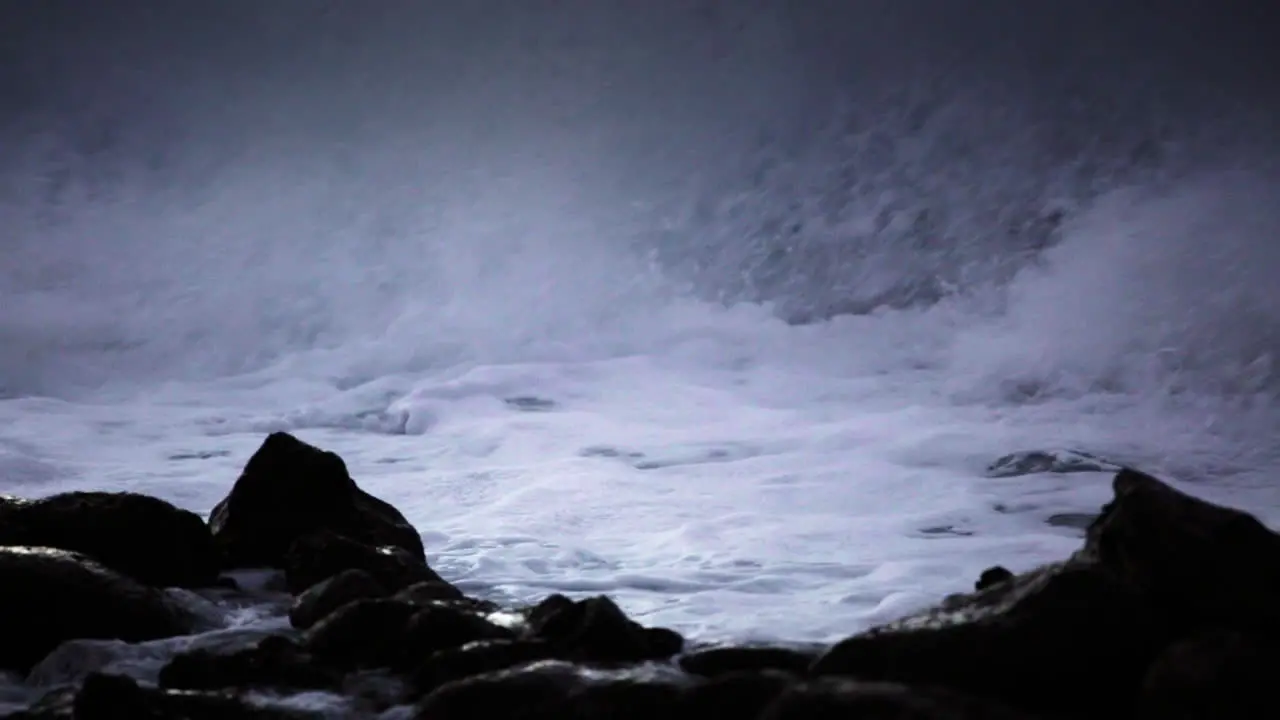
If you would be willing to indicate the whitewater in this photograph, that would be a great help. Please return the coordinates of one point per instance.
(675, 303)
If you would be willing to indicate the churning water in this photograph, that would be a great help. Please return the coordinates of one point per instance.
(719, 308)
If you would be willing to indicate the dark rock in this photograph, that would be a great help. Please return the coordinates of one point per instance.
(1198, 564)
(326, 596)
(537, 615)
(595, 630)
(431, 591)
(361, 634)
(841, 698)
(443, 627)
(472, 659)
(622, 700)
(992, 576)
(315, 557)
(140, 536)
(714, 662)
(113, 697)
(1214, 675)
(289, 489)
(536, 692)
(1067, 637)
(734, 695)
(275, 662)
(49, 596)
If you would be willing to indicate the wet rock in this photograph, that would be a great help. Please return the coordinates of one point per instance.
(622, 700)
(432, 591)
(318, 556)
(113, 697)
(1065, 638)
(554, 690)
(840, 698)
(595, 630)
(992, 576)
(438, 627)
(327, 596)
(57, 704)
(713, 662)
(734, 695)
(49, 596)
(361, 634)
(289, 489)
(140, 536)
(536, 692)
(1074, 521)
(1032, 462)
(1214, 675)
(472, 659)
(1199, 565)
(275, 662)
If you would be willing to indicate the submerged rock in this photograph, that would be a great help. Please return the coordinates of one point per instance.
(49, 596)
(1031, 462)
(113, 697)
(144, 537)
(275, 662)
(290, 489)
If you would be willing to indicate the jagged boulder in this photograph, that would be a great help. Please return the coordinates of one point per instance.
(1197, 564)
(290, 489)
(144, 537)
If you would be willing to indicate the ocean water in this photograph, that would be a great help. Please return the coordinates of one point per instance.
(722, 311)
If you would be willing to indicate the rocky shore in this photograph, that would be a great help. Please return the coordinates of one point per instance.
(1170, 610)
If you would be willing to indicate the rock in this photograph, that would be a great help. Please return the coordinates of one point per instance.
(57, 704)
(1032, 462)
(552, 690)
(361, 634)
(275, 662)
(434, 628)
(137, 535)
(713, 662)
(839, 698)
(535, 692)
(318, 556)
(734, 695)
(992, 576)
(1214, 675)
(289, 489)
(113, 697)
(1065, 638)
(1198, 565)
(622, 700)
(595, 630)
(49, 596)
(472, 659)
(326, 596)
(1074, 521)
(430, 591)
